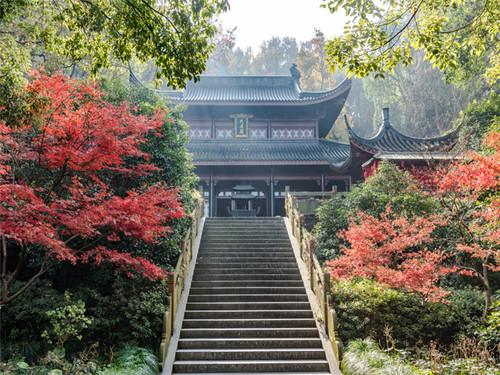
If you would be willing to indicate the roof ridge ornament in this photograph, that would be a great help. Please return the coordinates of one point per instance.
(295, 73)
(385, 117)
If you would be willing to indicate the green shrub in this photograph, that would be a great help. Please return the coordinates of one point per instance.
(490, 331)
(131, 360)
(367, 309)
(333, 216)
(25, 318)
(67, 323)
(364, 357)
(123, 311)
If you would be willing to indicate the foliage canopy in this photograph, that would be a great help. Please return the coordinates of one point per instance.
(174, 33)
(382, 34)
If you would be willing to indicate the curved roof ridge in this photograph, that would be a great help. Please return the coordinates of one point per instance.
(331, 142)
(390, 139)
(386, 127)
(252, 90)
(342, 85)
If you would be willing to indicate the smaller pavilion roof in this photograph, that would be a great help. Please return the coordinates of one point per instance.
(389, 141)
(253, 90)
(267, 152)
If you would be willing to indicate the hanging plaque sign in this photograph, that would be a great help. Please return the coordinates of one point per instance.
(241, 125)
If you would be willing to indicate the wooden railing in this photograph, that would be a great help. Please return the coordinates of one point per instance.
(319, 278)
(176, 280)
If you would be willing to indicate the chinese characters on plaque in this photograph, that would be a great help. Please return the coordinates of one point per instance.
(241, 125)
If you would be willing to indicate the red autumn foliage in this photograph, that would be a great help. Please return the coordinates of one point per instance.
(370, 170)
(55, 173)
(390, 250)
(469, 191)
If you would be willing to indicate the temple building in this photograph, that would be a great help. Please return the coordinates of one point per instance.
(265, 133)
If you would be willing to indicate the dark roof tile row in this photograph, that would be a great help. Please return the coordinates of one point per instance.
(250, 89)
(269, 150)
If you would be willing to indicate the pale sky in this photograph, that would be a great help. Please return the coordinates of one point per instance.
(259, 20)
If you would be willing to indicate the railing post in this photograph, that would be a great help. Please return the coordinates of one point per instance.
(302, 221)
(311, 263)
(326, 293)
(171, 291)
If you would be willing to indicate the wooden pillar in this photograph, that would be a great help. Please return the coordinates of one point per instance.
(322, 183)
(271, 193)
(211, 197)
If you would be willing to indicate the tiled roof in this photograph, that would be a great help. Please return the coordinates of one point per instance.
(252, 90)
(267, 151)
(389, 140)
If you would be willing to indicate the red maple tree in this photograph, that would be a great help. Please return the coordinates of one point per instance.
(469, 191)
(56, 175)
(391, 250)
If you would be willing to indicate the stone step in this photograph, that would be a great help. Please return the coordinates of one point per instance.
(249, 323)
(237, 251)
(249, 332)
(248, 298)
(243, 235)
(264, 230)
(248, 314)
(246, 224)
(245, 227)
(244, 258)
(247, 284)
(235, 245)
(259, 373)
(248, 270)
(249, 343)
(242, 239)
(249, 266)
(249, 240)
(247, 249)
(254, 305)
(243, 223)
(259, 219)
(251, 366)
(247, 290)
(245, 253)
(249, 354)
(282, 276)
(234, 261)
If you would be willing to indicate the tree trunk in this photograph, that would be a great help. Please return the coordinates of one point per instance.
(487, 290)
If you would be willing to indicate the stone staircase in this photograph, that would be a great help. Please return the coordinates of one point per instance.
(247, 310)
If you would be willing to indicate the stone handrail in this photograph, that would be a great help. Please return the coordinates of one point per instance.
(313, 194)
(176, 280)
(319, 278)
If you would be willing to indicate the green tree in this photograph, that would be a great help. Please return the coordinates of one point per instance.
(382, 34)
(275, 56)
(422, 104)
(388, 186)
(479, 119)
(227, 59)
(311, 61)
(175, 34)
